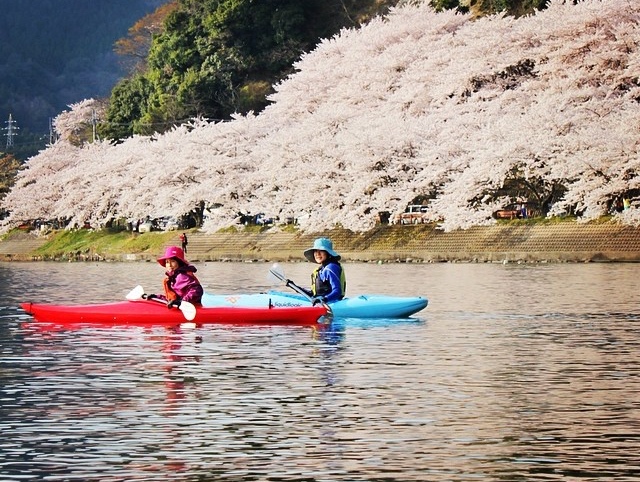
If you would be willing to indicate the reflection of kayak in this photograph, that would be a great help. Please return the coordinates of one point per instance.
(149, 312)
(333, 333)
(364, 306)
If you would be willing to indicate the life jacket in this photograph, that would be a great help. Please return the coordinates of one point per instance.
(168, 292)
(323, 287)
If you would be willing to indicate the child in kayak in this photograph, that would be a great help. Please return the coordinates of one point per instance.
(180, 282)
(328, 281)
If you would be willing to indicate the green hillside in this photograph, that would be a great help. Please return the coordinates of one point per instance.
(54, 53)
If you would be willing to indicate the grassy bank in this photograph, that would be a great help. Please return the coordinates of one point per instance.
(101, 244)
(523, 240)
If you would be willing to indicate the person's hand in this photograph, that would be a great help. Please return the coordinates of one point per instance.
(148, 296)
(317, 300)
(175, 303)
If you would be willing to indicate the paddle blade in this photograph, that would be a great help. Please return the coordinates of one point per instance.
(136, 293)
(188, 310)
(276, 274)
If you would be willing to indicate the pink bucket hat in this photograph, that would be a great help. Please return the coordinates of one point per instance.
(172, 252)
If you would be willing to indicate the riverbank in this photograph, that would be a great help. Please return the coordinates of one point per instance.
(514, 241)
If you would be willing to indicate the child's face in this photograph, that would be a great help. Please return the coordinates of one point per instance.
(171, 264)
(320, 256)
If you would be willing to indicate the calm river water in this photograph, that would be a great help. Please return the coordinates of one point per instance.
(512, 373)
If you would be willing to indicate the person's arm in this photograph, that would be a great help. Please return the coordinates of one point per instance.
(188, 288)
(332, 274)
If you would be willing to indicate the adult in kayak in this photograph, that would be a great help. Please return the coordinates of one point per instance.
(180, 282)
(328, 281)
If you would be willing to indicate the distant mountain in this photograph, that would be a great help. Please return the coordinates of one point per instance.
(54, 53)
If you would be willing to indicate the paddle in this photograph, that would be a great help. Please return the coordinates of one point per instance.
(277, 274)
(188, 310)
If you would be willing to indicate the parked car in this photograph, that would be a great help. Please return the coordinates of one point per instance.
(517, 211)
(413, 214)
(168, 224)
(145, 227)
(263, 220)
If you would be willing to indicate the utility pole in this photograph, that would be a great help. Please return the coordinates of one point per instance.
(11, 131)
(94, 124)
(52, 133)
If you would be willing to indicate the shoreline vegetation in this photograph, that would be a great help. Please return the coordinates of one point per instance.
(522, 241)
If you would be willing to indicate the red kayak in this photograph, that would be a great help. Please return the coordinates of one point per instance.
(153, 313)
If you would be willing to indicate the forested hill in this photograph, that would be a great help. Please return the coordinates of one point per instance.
(217, 58)
(54, 53)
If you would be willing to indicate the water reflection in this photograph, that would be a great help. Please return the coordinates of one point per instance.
(483, 385)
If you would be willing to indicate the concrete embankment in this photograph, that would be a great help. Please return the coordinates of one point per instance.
(514, 242)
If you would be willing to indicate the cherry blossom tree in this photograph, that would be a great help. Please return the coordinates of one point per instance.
(417, 104)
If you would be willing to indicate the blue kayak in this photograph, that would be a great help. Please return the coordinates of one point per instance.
(363, 306)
